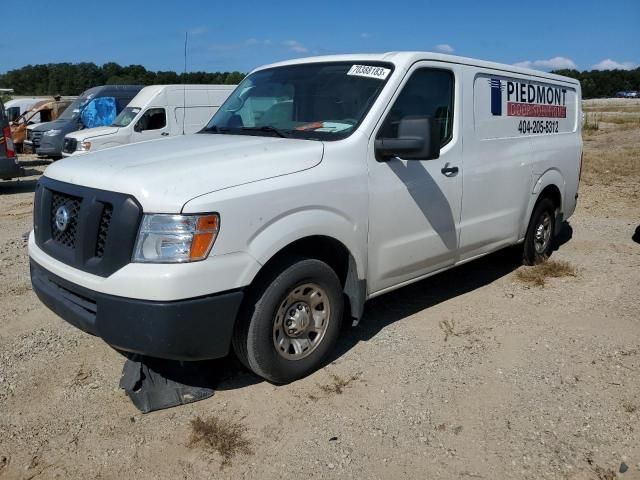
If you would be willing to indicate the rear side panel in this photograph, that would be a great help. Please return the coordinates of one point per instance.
(525, 134)
(497, 177)
(556, 153)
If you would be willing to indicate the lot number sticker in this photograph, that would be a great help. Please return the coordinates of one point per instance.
(369, 71)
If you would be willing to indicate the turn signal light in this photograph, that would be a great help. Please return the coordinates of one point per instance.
(206, 231)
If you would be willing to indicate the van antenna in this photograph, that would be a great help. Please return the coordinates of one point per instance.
(184, 79)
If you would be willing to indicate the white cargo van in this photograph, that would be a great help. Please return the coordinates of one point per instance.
(319, 184)
(155, 112)
(15, 108)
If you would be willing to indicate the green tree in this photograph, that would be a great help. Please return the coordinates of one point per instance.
(75, 78)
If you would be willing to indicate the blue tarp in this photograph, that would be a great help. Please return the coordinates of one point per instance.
(99, 112)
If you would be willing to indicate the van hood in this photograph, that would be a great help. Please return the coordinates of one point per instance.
(93, 133)
(165, 174)
(50, 125)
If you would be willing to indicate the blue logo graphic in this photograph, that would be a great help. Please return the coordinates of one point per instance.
(496, 96)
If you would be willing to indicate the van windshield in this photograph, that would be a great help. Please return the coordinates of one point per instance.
(125, 117)
(74, 110)
(318, 101)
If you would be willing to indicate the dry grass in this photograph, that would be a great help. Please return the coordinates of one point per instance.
(630, 108)
(539, 274)
(630, 120)
(612, 144)
(591, 123)
(225, 436)
(604, 473)
(606, 166)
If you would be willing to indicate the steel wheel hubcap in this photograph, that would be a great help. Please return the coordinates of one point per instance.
(301, 321)
(543, 233)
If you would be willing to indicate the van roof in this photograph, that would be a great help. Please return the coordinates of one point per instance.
(149, 93)
(20, 102)
(112, 88)
(404, 60)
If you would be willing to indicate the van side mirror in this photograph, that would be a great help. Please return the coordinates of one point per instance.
(418, 139)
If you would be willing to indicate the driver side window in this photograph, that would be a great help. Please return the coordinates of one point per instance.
(428, 93)
(152, 119)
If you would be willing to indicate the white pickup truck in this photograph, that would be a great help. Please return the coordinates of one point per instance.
(319, 184)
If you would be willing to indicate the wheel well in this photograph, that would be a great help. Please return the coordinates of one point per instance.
(335, 254)
(552, 192)
(327, 249)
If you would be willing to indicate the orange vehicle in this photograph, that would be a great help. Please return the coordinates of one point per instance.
(43, 111)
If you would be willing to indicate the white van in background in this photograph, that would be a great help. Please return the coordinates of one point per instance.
(156, 111)
(15, 108)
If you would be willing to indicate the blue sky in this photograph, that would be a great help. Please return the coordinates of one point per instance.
(240, 35)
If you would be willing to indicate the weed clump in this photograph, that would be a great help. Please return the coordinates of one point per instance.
(539, 274)
(225, 436)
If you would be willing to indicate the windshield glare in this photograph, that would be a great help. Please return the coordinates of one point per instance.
(126, 117)
(325, 101)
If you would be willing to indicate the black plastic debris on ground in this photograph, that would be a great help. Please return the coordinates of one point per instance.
(155, 384)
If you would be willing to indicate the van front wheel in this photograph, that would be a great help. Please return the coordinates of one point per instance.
(290, 321)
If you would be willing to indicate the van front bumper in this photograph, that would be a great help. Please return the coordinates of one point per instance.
(190, 329)
(50, 146)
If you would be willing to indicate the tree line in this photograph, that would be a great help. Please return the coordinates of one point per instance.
(75, 78)
(604, 83)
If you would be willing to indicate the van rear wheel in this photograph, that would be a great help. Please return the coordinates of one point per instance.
(538, 242)
(290, 321)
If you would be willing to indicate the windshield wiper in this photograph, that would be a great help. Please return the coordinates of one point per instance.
(215, 129)
(268, 129)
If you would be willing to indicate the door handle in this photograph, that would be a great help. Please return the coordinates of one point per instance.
(449, 171)
(164, 134)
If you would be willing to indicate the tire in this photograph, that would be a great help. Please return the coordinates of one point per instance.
(298, 304)
(538, 242)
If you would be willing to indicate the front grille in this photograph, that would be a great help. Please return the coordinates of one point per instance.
(35, 136)
(70, 145)
(65, 234)
(103, 229)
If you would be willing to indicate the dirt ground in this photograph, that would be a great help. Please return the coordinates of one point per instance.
(469, 374)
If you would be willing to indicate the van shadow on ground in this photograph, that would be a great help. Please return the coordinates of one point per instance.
(228, 374)
(387, 309)
(12, 187)
(22, 185)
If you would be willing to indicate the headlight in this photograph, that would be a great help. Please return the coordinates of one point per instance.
(176, 238)
(83, 146)
(52, 133)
